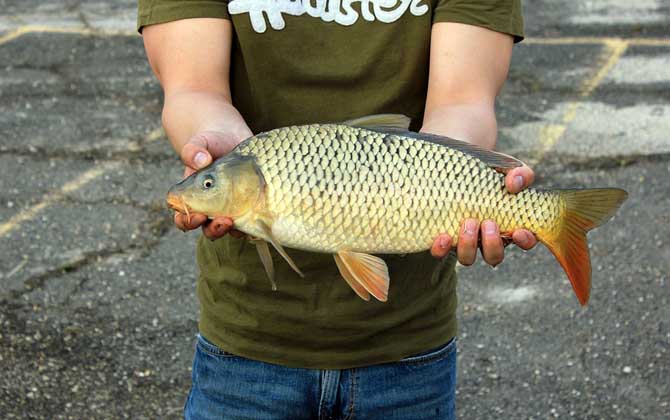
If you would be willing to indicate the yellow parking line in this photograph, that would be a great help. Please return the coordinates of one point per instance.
(652, 42)
(568, 40)
(61, 30)
(55, 196)
(551, 134)
(615, 49)
(50, 198)
(11, 35)
(28, 214)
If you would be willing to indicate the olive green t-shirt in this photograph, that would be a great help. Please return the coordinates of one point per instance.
(302, 61)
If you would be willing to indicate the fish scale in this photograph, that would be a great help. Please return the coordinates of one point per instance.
(375, 202)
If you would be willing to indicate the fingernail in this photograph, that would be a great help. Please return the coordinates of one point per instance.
(470, 227)
(524, 240)
(517, 183)
(528, 238)
(443, 243)
(200, 160)
(489, 227)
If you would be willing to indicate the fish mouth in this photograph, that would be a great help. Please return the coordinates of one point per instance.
(177, 203)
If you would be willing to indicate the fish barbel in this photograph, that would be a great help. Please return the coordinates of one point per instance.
(370, 186)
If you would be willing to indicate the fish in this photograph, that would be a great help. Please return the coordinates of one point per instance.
(370, 186)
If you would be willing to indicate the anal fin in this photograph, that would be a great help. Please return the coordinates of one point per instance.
(364, 271)
(351, 281)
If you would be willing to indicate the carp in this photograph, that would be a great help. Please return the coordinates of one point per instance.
(369, 186)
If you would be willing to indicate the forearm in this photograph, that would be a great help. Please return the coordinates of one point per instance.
(468, 66)
(187, 113)
(474, 122)
(191, 59)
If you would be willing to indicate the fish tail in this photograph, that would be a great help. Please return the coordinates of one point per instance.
(583, 211)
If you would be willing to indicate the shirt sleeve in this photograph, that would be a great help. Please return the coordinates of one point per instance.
(504, 16)
(150, 12)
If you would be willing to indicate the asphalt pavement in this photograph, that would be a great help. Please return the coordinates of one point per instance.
(97, 306)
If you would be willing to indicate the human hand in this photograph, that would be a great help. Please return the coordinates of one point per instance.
(492, 245)
(200, 151)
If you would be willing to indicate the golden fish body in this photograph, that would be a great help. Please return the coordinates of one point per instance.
(369, 186)
(332, 187)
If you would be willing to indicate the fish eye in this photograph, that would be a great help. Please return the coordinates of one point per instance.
(208, 182)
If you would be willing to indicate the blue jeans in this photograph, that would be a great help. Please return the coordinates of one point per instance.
(226, 386)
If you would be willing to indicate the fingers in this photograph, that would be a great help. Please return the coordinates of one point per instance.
(467, 242)
(492, 244)
(182, 221)
(524, 239)
(519, 178)
(213, 229)
(218, 227)
(441, 246)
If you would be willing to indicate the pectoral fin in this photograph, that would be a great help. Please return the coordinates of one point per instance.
(266, 259)
(268, 235)
(364, 271)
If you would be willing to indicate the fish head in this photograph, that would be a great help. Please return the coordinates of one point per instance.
(205, 191)
(231, 186)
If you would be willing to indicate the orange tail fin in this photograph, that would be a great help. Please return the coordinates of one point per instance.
(584, 210)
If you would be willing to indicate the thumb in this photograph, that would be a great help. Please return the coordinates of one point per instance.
(195, 153)
(519, 178)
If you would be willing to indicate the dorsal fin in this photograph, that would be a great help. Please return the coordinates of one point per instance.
(398, 125)
(381, 122)
(493, 159)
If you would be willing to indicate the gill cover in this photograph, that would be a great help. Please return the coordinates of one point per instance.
(247, 183)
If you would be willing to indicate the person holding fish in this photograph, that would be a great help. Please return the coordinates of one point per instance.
(315, 345)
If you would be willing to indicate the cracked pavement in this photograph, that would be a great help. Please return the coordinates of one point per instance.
(97, 302)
